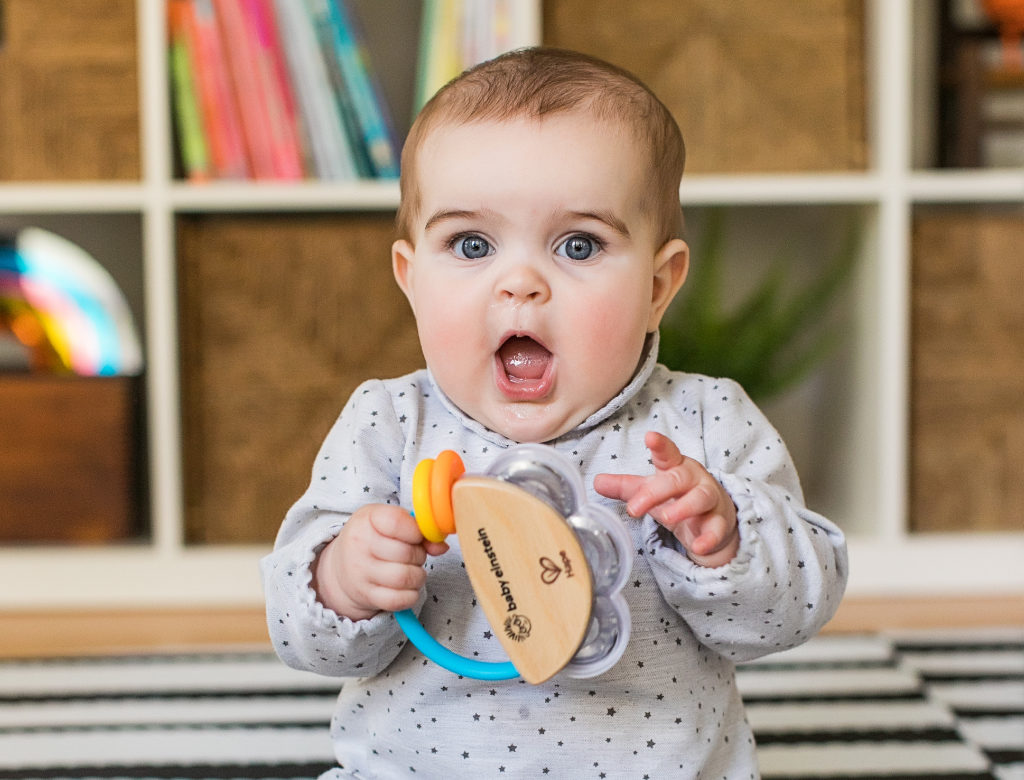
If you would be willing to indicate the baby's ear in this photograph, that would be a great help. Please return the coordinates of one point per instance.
(402, 253)
(671, 264)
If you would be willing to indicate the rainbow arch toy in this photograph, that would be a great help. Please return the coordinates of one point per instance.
(62, 304)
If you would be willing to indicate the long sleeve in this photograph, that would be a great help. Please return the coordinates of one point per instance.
(358, 464)
(789, 575)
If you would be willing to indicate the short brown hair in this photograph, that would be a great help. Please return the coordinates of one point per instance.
(534, 82)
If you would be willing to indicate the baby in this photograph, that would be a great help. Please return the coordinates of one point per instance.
(539, 248)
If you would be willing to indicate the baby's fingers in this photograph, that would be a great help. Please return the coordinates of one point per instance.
(697, 502)
(395, 593)
(663, 487)
(387, 549)
(398, 526)
(389, 585)
(397, 576)
(394, 523)
(705, 535)
(712, 540)
(664, 452)
(620, 487)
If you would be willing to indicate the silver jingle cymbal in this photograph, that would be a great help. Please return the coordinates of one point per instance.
(606, 638)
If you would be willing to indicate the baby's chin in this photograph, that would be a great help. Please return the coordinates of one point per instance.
(520, 421)
(539, 423)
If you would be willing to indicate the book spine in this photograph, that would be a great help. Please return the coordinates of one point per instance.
(380, 99)
(319, 11)
(227, 146)
(421, 93)
(187, 109)
(440, 59)
(279, 103)
(474, 31)
(244, 67)
(318, 110)
(370, 113)
(458, 34)
(503, 31)
(522, 25)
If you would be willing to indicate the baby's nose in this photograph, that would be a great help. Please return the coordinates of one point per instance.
(524, 282)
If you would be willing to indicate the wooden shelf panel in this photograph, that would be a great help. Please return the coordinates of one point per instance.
(62, 633)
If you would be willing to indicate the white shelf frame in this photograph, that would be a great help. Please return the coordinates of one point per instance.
(163, 572)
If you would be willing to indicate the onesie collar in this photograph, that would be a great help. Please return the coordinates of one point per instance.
(643, 373)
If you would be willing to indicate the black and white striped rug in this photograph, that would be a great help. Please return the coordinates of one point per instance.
(944, 705)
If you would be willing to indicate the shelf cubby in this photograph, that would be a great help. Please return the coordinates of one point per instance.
(199, 263)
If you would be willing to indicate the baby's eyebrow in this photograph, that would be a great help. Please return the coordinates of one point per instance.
(607, 217)
(446, 214)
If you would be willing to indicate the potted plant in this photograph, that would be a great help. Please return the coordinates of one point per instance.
(770, 340)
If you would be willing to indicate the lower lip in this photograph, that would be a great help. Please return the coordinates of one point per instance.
(526, 389)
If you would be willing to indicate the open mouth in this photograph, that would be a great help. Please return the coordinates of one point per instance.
(525, 367)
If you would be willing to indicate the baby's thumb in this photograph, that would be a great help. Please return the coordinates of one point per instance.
(435, 548)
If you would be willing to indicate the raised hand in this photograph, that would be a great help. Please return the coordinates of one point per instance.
(682, 496)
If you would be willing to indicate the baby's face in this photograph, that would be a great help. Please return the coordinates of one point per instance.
(532, 269)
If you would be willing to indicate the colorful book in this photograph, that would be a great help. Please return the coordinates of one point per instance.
(319, 12)
(220, 114)
(318, 108)
(187, 109)
(458, 34)
(371, 112)
(279, 102)
(246, 86)
(267, 122)
(440, 55)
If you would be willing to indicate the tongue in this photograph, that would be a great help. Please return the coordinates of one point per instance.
(524, 358)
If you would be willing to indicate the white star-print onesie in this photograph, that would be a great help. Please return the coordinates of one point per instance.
(669, 707)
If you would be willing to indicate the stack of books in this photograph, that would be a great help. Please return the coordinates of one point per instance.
(286, 89)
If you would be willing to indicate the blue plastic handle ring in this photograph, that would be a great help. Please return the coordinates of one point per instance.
(453, 662)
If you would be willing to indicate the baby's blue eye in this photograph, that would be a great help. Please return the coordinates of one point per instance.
(578, 247)
(471, 247)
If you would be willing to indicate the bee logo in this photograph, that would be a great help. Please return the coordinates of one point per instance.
(517, 627)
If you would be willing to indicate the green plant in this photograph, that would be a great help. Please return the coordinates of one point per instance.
(767, 342)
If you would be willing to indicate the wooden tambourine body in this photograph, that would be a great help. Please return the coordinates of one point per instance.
(528, 571)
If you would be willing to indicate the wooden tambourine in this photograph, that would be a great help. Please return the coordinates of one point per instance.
(547, 567)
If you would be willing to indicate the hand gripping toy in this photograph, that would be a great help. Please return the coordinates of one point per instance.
(547, 567)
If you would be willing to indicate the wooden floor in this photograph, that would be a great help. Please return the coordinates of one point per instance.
(73, 633)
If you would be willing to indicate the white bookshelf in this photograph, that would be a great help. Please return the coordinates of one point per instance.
(885, 557)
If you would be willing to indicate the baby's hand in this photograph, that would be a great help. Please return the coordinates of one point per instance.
(375, 563)
(683, 497)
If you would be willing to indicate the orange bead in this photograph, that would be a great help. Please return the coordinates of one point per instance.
(447, 468)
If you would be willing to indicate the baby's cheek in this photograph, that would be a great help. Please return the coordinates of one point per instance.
(617, 336)
(451, 347)
(440, 326)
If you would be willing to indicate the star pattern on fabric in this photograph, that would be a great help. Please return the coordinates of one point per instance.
(401, 710)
